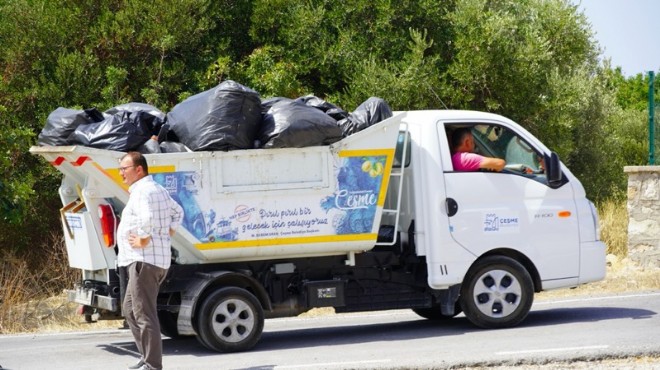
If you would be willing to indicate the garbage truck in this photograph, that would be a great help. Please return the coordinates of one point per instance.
(379, 220)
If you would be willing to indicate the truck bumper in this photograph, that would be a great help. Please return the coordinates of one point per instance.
(592, 261)
(88, 297)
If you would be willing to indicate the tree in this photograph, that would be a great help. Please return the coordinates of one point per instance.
(95, 53)
(327, 45)
(504, 53)
(532, 60)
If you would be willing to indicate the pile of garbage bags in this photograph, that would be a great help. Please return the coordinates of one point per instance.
(227, 117)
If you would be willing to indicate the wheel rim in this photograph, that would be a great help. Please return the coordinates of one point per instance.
(233, 320)
(497, 293)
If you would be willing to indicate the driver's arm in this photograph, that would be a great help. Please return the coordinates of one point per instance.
(493, 164)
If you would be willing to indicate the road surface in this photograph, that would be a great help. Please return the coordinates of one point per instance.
(561, 329)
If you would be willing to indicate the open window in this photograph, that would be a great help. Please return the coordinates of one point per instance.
(521, 158)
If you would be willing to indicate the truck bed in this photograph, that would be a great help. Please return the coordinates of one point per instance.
(245, 204)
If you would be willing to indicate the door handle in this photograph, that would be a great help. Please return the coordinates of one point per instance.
(451, 206)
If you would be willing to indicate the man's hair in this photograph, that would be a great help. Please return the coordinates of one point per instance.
(138, 160)
(458, 136)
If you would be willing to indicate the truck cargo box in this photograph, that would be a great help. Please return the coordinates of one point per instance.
(243, 204)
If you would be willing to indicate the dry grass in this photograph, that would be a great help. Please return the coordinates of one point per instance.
(28, 280)
(614, 227)
(31, 298)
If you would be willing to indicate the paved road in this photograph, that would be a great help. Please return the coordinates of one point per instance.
(560, 329)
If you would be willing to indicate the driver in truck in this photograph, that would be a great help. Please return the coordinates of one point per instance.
(463, 157)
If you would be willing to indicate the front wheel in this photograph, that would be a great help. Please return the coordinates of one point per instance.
(230, 320)
(497, 293)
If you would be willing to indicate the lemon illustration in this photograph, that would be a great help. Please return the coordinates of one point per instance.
(376, 169)
(366, 166)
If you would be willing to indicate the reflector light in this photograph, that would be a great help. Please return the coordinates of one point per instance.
(108, 223)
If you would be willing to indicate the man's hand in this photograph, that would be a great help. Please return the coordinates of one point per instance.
(137, 242)
(493, 164)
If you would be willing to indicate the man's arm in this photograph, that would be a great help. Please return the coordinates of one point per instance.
(493, 164)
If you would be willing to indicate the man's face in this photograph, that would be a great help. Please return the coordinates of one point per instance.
(128, 171)
(469, 142)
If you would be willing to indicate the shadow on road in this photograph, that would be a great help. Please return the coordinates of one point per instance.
(171, 347)
(355, 334)
(554, 316)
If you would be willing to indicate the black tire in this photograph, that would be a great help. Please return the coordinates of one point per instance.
(497, 293)
(435, 314)
(230, 320)
(168, 326)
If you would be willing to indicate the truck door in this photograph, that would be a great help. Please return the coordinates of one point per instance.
(515, 208)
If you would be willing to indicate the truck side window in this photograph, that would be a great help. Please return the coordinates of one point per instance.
(402, 140)
(500, 142)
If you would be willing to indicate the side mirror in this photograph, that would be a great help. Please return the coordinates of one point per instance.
(553, 170)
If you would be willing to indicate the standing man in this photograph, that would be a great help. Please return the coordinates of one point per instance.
(463, 157)
(147, 224)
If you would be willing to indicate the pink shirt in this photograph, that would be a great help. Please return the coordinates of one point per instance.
(463, 161)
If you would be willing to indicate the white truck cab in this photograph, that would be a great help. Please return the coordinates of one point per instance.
(534, 213)
(379, 220)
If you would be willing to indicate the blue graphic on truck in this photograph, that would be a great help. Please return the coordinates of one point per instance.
(359, 180)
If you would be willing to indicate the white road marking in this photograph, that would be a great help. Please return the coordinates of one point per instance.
(551, 350)
(332, 364)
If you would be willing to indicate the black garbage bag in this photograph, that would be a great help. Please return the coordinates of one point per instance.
(372, 111)
(123, 131)
(173, 147)
(151, 146)
(226, 117)
(291, 124)
(266, 104)
(137, 107)
(328, 108)
(62, 122)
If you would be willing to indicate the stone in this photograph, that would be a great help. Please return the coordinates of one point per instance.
(644, 214)
(650, 190)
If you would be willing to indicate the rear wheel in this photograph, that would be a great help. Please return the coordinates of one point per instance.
(497, 293)
(230, 320)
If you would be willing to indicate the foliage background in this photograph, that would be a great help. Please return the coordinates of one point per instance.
(535, 61)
